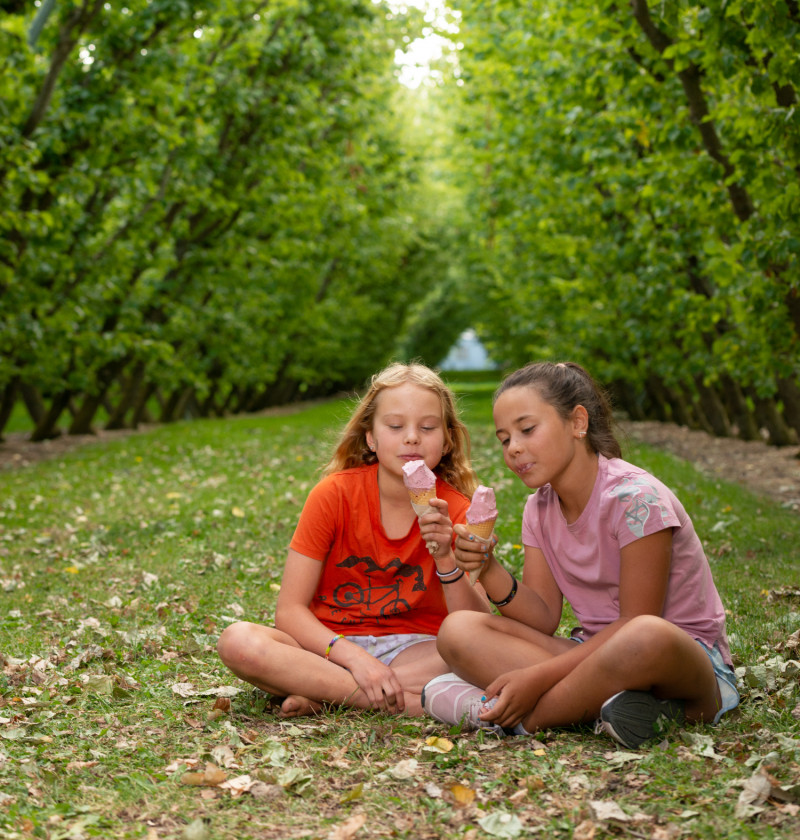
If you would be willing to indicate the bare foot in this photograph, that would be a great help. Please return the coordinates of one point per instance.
(295, 705)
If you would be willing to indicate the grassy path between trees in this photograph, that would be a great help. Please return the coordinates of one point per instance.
(121, 563)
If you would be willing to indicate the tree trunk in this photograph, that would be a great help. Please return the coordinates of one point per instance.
(626, 398)
(789, 393)
(738, 410)
(46, 427)
(82, 421)
(130, 392)
(169, 406)
(656, 406)
(33, 402)
(713, 409)
(141, 414)
(681, 409)
(770, 418)
(243, 399)
(7, 403)
(176, 407)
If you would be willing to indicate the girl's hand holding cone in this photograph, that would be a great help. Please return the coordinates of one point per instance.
(481, 516)
(473, 554)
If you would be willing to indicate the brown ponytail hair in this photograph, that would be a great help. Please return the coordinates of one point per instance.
(565, 385)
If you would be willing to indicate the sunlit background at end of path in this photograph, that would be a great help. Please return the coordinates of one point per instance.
(417, 60)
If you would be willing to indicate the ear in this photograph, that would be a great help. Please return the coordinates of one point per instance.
(370, 441)
(580, 421)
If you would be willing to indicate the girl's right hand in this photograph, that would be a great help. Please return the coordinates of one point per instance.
(380, 684)
(471, 554)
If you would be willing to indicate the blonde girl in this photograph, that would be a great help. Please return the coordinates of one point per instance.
(617, 544)
(361, 597)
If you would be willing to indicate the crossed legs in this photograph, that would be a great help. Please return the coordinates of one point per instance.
(274, 662)
(648, 653)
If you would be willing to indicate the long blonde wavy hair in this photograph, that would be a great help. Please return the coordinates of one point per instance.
(352, 449)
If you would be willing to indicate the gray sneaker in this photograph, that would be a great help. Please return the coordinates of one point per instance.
(633, 717)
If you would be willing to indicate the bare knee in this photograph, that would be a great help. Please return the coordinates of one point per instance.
(644, 641)
(456, 631)
(235, 639)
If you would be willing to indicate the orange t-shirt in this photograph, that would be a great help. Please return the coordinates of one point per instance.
(370, 585)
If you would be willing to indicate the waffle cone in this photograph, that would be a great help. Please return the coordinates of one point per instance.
(481, 529)
(422, 497)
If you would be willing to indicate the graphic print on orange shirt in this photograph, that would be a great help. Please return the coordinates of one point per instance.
(378, 590)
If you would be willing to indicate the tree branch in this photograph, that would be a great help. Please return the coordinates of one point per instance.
(690, 78)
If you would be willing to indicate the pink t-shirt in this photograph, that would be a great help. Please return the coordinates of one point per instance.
(626, 504)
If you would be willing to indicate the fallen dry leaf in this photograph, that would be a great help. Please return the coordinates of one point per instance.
(462, 795)
(585, 830)
(223, 704)
(603, 810)
(238, 785)
(347, 830)
(403, 770)
(224, 756)
(80, 765)
(212, 775)
(755, 792)
(442, 745)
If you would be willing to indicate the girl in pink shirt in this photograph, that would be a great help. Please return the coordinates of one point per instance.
(616, 544)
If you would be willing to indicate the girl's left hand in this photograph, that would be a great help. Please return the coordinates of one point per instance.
(517, 693)
(436, 527)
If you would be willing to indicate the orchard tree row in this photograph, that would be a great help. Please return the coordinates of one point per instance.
(213, 207)
(205, 207)
(634, 177)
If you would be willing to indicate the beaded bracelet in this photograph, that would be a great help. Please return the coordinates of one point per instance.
(331, 643)
(509, 598)
(443, 575)
(448, 578)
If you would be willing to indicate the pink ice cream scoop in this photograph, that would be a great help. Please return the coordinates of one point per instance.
(420, 482)
(482, 513)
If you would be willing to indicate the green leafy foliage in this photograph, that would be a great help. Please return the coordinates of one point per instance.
(632, 176)
(212, 198)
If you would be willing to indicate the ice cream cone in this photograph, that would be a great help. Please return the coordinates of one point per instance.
(481, 516)
(421, 485)
(421, 497)
(482, 529)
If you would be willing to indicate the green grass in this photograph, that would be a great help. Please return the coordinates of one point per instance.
(121, 562)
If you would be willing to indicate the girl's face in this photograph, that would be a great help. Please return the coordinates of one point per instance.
(407, 426)
(538, 444)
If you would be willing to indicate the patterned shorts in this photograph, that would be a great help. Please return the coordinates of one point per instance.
(385, 648)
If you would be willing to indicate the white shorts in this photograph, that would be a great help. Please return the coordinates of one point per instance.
(385, 648)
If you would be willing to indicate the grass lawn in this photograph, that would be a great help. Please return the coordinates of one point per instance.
(120, 564)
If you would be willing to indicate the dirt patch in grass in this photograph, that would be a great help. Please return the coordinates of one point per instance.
(772, 471)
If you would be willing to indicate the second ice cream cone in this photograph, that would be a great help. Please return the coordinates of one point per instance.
(483, 531)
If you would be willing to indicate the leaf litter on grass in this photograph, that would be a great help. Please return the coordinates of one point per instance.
(114, 590)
